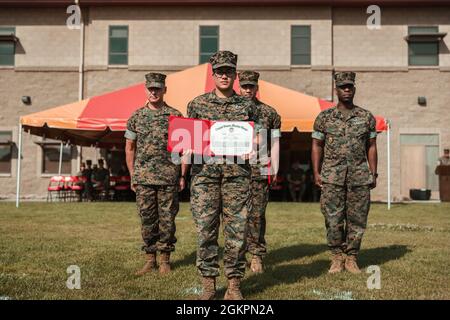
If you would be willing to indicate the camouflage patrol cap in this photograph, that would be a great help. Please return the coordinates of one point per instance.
(248, 77)
(346, 77)
(155, 80)
(223, 59)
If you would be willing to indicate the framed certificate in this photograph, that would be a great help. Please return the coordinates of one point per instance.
(231, 138)
(204, 137)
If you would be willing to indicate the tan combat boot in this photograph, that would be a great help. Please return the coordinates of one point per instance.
(351, 265)
(164, 263)
(337, 263)
(209, 288)
(150, 264)
(256, 265)
(234, 291)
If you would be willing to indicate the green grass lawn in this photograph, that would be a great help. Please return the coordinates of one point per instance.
(410, 244)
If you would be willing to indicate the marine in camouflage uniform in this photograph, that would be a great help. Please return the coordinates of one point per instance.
(155, 177)
(346, 176)
(218, 187)
(271, 123)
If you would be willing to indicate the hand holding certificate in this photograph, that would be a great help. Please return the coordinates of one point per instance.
(211, 138)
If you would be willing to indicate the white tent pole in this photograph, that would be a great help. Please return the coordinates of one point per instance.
(60, 158)
(19, 161)
(81, 77)
(81, 65)
(389, 163)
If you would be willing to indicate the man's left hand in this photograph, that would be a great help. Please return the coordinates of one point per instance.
(374, 183)
(273, 179)
(182, 183)
(248, 156)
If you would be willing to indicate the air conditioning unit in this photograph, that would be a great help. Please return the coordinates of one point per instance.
(420, 194)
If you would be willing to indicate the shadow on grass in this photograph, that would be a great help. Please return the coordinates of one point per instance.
(285, 274)
(289, 274)
(282, 275)
(381, 255)
(294, 252)
(185, 261)
(273, 257)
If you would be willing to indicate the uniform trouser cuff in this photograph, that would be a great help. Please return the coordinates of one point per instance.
(208, 274)
(154, 249)
(257, 252)
(149, 250)
(239, 273)
(335, 250)
(235, 276)
(352, 252)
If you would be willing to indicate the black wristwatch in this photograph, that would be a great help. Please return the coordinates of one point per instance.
(375, 175)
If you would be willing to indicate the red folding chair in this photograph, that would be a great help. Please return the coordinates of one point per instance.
(123, 183)
(122, 187)
(75, 187)
(55, 185)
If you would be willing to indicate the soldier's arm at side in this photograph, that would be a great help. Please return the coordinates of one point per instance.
(275, 156)
(275, 135)
(372, 157)
(130, 146)
(318, 143)
(316, 158)
(185, 165)
(182, 179)
(372, 153)
(130, 150)
(256, 116)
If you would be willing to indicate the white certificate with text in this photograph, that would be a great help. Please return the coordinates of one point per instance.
(231, 138)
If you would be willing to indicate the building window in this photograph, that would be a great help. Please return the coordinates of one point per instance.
(300, 45)
(118, 45)
(423, 46)
(7, 46)
(209, 42)
(5, 152)
(50, 159)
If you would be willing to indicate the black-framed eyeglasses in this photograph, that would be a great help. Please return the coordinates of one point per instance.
(229, 72)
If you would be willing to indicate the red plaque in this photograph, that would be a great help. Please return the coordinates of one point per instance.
(188, 133)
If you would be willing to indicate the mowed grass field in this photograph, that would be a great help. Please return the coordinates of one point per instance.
(410, 244)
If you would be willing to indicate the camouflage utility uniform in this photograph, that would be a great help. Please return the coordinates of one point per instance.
(271, 123)
(345, 175)
(156, 177)
(218, 187)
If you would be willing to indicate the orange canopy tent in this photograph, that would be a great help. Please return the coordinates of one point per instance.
(101, 120)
